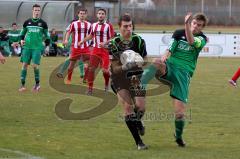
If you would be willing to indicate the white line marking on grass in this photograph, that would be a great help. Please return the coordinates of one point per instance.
(22, 155)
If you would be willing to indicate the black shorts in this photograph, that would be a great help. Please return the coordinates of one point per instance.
(129, 80)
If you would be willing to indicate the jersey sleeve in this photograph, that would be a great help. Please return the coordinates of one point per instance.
(71, 28)
(172, 45)
(112, 48)
(143, 48)
(68, 28)
(110, 31)
(174, 41)
(45, 31)
(46, 34)
(92, 30)
(199, 42)
(23, 31)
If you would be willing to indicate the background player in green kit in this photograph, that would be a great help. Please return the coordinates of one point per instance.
(32, 34)
(14, 39)
(178, 64)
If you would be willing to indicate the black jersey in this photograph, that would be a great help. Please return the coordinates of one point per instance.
(118, 45)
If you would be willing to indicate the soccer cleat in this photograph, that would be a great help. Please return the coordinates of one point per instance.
(84, 81)
(89, 92)
(233, 83)
(22, 89)
(36, 88)
(180, 142)
(141, 128)
(59, 75)
(68, 82)
(142, 146)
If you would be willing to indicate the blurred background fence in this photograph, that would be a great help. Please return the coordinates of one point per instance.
(59, 13)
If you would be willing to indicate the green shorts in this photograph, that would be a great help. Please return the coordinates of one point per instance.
(31, 54)
(180, 80)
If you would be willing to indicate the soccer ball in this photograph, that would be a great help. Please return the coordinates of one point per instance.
(130, 56)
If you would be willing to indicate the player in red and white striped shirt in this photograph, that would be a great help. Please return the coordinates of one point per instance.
(102, 32)
(79, 30)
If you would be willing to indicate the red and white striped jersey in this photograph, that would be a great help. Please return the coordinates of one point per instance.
(79, 31)
(101, 33)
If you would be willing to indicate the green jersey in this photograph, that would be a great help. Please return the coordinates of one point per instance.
(33, 32)
(184, 55)
(14, 36)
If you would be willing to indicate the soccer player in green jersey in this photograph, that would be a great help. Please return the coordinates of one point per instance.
(178, 64)
(4, 43)
(32, 34)
(14, 39)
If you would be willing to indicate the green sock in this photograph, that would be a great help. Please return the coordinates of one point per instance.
(81, 68)
(179, 125)
(23, 76)
(148, 74)
(37, 74)
(64, 66)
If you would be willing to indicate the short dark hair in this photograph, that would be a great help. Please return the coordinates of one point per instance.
(125, 17)
(101, 9)
(82, 9)
(201, 17)
(14, 24)
(36, 6)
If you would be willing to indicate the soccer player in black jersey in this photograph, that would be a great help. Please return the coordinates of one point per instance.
(125, 78)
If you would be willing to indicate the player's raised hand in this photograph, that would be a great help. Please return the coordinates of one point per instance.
(188, 17)
(22, 42)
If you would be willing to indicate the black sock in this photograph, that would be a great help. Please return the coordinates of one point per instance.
(131, 123)
(139, 115)
(37, 82)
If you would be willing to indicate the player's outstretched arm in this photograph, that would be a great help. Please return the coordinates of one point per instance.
(23, 33)
(67, 35)
(188, 31)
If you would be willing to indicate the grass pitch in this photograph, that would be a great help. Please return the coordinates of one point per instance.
(31, 129)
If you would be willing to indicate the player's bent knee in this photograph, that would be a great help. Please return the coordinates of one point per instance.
(25, 65)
